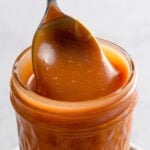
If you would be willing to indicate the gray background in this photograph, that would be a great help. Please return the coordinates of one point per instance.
(125, 22)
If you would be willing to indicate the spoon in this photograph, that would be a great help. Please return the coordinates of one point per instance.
(67, 60)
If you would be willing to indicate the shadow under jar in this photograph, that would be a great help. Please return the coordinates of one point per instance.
(98, 124)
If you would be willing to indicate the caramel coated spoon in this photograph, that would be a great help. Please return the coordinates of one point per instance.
(67, 60)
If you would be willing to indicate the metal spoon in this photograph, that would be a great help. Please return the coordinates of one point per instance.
(67, 60)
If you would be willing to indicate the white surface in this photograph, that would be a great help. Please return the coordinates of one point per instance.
(125, 22)
(135, 147)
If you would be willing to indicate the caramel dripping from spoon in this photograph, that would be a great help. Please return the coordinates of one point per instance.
(67, 60)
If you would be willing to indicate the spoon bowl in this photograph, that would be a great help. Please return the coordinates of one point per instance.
(67, 60)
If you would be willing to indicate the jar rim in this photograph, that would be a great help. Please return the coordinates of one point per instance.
(64, 107)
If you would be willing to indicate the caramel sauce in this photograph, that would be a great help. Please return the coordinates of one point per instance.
(84, 76)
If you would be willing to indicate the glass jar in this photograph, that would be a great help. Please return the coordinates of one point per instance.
(47, 124)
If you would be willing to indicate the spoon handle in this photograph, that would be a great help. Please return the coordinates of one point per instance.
(52, 11)
(51, 2)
